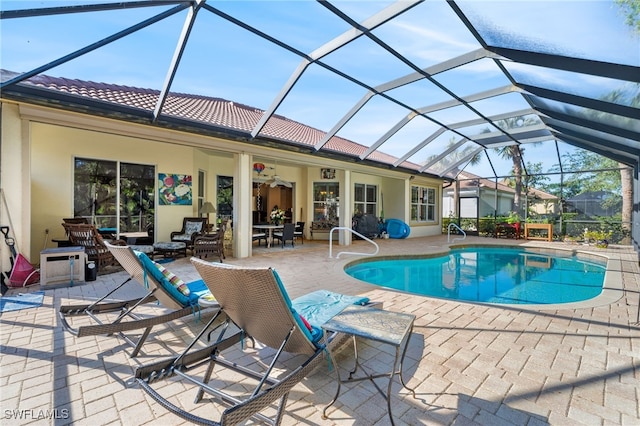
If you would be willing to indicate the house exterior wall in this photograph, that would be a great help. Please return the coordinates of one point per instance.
(14, 183)
(37, 164)
(53, 151)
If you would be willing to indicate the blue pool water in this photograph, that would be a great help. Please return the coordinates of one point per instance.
(488, 274)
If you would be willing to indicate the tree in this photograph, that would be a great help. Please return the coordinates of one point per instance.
(514, 153)
(595, 173)
(631, 8)
(629, 94)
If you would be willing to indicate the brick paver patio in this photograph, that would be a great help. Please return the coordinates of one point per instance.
(470, 363)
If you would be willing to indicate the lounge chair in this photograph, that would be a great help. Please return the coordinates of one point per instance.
(256, 302)
(163, 286)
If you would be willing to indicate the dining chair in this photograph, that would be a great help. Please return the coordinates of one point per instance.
(287, 234)
(299, 231)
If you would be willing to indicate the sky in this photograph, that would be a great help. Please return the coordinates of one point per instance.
(226, 61)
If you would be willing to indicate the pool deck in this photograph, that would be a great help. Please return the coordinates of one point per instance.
(576, 364)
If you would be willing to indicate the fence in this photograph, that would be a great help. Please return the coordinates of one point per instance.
(570, 230)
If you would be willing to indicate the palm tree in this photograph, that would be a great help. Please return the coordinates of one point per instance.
(514, 153)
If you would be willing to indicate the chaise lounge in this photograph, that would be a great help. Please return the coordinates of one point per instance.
(163, 286)
(255, 303)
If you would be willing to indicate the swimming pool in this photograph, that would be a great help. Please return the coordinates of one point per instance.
(505, 275)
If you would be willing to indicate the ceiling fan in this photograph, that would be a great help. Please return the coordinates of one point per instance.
(274, 180)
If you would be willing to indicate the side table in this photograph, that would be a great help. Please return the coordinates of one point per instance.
(392, 328)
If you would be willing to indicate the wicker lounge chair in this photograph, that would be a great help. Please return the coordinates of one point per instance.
(255, 301)
(162, 286)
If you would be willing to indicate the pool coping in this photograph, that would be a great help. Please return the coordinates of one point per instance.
(612, 288)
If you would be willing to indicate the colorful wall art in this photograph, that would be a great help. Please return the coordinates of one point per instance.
(174, 189)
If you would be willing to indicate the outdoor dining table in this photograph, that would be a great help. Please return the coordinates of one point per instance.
(269, 228)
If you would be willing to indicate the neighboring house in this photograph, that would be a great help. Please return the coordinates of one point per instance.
(481, 197)
(71, 146)
(542, 202)
(594, 204)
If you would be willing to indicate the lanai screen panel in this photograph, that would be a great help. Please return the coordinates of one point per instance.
(397, 83)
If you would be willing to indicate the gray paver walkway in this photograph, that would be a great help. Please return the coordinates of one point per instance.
(470, 363)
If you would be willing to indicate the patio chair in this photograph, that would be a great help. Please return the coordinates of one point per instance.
(255, 301)
(75, 220)
(213, 245)
(192, 227)
(258, 236)
(299, 231)
(180, 298)
(87, 236)
(287, 234)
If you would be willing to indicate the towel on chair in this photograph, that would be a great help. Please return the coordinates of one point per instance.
(320, 306)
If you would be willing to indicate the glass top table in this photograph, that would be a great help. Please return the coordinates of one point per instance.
(269, 228)
(392, 328)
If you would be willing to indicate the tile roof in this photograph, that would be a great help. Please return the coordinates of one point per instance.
(208, 110)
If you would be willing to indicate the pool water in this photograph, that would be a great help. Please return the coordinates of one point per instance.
(488, 274)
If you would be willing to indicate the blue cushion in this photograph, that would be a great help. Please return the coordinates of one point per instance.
(315, 333)
(196, 288)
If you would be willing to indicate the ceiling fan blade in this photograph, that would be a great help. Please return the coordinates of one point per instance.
(275, 181)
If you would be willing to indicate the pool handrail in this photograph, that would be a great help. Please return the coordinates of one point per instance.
(345, 228)
(464, 234)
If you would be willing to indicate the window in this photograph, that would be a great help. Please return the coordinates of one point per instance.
(423, 204)
(366, 199)
(326, 198)
(97, 186)
(225, 197)
(202, 179)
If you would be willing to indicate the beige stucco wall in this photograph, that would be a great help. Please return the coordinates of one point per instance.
(394, 191)
(39, 146)
(14, 183)
(53, 151)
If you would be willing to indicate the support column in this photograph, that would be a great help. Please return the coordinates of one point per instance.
(242, 187)
(344, 208)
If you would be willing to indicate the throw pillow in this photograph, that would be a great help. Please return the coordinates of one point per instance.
(191, 227)
(175, 281)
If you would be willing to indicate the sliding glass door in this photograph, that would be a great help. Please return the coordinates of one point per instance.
(100, 186)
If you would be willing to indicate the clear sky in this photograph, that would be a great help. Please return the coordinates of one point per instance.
(226, 61)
